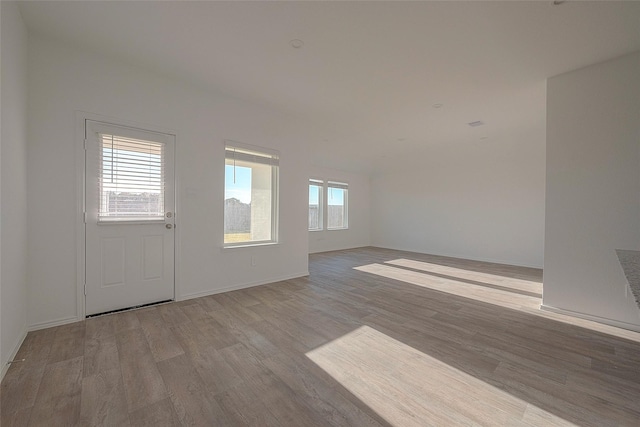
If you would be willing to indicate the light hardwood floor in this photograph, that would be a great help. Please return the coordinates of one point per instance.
(372, 337)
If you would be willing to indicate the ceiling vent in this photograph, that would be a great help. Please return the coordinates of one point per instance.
(476, 123)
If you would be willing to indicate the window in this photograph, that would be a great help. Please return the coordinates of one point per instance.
(316, 188)
(328, 205)
(131, 179)
(250, 195)
(337, 206)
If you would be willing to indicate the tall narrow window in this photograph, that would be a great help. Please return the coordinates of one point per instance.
(315, 204)
(337, 206)
(131, 179)
(250, 195)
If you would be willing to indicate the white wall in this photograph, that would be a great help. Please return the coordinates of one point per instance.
(13, 183)
(359, 205)
(593, 188)
(481, 200)
(64, 79)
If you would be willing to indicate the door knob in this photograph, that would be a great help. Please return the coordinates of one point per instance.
(169, 226)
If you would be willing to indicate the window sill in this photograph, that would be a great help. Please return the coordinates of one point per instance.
(249, 245)
(337, 229)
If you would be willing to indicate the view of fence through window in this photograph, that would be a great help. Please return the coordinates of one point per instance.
(315, 205)
(237, 204)
(336, 206)
(327, 203)
(131, 179)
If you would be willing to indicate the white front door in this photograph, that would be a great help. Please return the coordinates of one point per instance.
(130, 217)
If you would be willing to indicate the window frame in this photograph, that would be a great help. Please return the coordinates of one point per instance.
(345, 215)
(91, 128)
(260, 155)
(128, 164)
(321, 189)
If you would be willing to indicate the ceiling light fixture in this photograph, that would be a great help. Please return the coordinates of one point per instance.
(438, 105)
(476, 123)
(296, 43)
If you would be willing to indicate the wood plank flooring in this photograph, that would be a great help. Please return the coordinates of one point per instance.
(372, 337)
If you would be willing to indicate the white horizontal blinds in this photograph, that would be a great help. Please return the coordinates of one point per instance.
(341, 185)
(131, 179)
(239, 154)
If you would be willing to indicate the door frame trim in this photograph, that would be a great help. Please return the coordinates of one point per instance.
(80, 132)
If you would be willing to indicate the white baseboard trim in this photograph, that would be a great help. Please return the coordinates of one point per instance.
(52, 323)
(240, 286)
(14, 351)
(611, 322)
(71, 319)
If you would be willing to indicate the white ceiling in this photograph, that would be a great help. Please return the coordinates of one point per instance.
(369, 72)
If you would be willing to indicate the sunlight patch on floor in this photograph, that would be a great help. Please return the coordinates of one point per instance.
(409, 388)
(502, 298)
(491, 279)
(460, 288)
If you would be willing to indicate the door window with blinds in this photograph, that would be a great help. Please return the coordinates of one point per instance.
(132, 177)
(250, 195)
